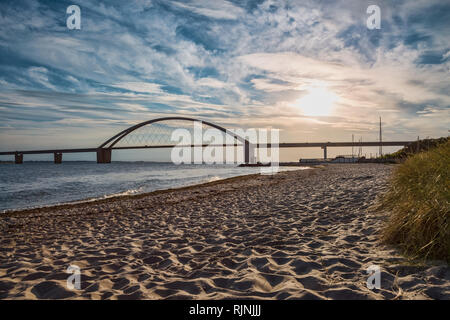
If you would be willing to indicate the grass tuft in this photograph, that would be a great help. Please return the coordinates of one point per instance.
(418, 200)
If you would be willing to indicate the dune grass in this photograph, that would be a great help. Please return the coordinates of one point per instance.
(418, 202)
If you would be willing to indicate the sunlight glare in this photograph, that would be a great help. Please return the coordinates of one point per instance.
(318, 102)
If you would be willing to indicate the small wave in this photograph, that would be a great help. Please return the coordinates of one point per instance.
(124, 193)
(214, 178)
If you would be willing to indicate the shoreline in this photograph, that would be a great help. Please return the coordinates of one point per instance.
(78, 203)
(118, 196)
(303, 234)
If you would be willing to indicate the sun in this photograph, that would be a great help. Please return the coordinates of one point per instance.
(319, 101)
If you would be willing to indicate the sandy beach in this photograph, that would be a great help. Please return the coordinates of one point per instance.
(306, 234)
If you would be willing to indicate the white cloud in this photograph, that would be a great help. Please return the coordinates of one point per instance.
(142, 87)
(213, 9)
(211, 82)
(40, 75)
(270, 86)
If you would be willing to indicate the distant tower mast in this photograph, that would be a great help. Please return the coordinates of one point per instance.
(381, 141)
(353, 141)
(360, 148)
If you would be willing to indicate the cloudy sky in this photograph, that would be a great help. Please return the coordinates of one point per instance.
(310, 68)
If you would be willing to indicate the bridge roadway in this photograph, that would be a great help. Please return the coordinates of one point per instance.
(104, 154)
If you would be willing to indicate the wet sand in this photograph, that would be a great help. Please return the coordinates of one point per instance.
(307, 234)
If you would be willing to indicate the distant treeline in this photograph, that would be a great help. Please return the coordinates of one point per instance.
(416, 147)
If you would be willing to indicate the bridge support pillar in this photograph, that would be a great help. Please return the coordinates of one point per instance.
(252, 153)
(57, 156)
(324, 152)
(247, 152)
(103, 155)
(18, 158)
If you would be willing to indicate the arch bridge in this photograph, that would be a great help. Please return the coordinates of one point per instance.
(104, 150)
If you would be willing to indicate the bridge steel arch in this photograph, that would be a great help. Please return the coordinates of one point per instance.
(104, 150)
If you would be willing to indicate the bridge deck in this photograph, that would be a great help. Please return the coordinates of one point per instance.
(280, 145)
